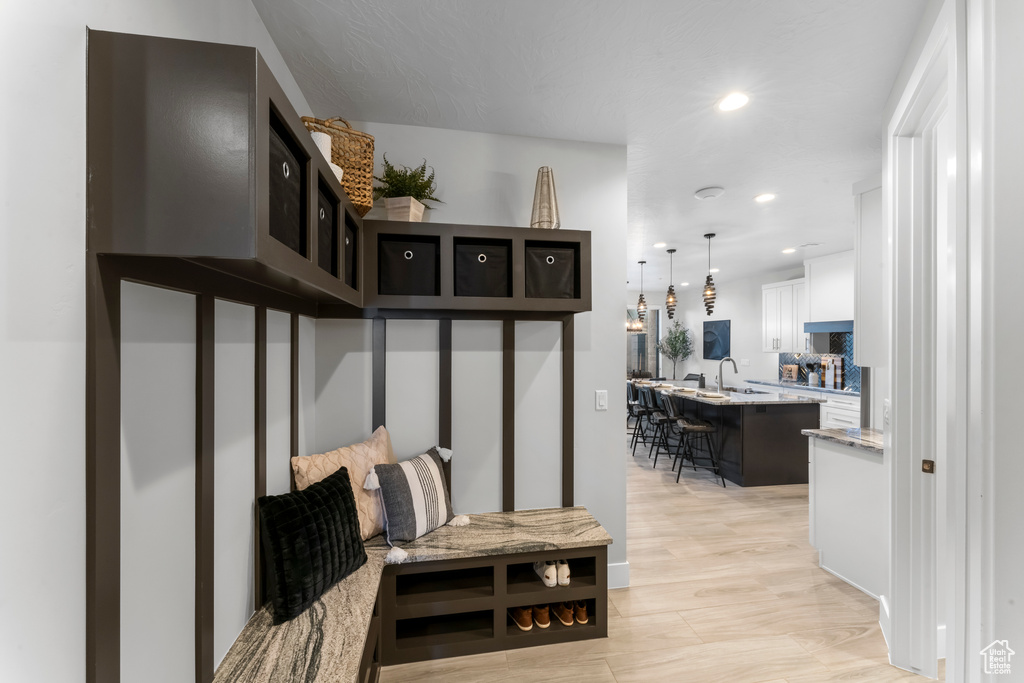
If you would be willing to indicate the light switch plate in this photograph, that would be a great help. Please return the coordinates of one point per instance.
(601, 399)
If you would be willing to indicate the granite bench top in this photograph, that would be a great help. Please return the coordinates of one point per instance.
(858, 437)
(324, 643)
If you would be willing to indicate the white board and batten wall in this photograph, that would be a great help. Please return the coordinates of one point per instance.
(489, 180)
(44, 330)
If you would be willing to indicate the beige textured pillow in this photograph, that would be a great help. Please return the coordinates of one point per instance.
(359, 459)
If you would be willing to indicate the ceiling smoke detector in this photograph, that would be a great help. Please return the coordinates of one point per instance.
(709, 192)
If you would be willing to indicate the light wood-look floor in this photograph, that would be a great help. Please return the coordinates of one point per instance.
(724, 586)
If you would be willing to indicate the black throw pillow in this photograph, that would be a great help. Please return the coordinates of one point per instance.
(310, 542)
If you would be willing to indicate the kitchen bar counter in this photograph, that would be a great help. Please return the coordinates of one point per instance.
(739, 398)
(798, 385)
(758, 436)
(860, 437)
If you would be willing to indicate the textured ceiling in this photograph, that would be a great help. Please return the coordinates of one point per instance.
(644, 73)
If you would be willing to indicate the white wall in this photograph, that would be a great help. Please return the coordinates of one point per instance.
(279, 403)
(489, 180)
(158, 474)
(234, 472)
(538, 392)
(412, 386)
(739, 301)
(42, 302)
(344, 382)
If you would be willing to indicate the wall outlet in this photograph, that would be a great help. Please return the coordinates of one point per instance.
(745, 362)
(885, 412)
(601, 399)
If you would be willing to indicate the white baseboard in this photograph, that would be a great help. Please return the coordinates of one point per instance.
(940, 648)
(885, 621)
(618, 575)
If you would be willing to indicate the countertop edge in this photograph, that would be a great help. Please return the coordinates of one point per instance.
(862, 439)
(793, 385)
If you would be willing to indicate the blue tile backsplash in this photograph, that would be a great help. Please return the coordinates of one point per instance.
(841, 344)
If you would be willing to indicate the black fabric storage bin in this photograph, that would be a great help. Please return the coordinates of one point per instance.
(482, 270)
(550, 272)
(327, 234)
(286, 224)
(408, 268)
(350, 255)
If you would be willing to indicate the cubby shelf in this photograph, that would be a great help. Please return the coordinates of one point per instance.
(455, 607)
(380, 279)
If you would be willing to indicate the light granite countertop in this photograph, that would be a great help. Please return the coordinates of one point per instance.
(324, 643)
(859, 437)
(799, 385)
(736, 398)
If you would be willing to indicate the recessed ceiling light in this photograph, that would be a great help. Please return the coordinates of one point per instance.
(709, 192)
(732, 101)
(658, 245)
(790, 250)
(713, 270)
(766, 197)
(684, 284)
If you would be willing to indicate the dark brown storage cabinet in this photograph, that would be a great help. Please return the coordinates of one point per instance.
(196, 153)
(482, 268)
(448, 608)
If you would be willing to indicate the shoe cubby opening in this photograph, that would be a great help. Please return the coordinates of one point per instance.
(409, 265)
(521, 577)
(552, 270)
(483, 267)
(328, 209)
(457, 584)
(288, 161)
(556, 626)
(445, 629)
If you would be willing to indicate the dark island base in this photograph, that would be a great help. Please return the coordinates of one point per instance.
(760, 445)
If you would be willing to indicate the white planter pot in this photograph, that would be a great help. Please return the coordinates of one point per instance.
(404, 209)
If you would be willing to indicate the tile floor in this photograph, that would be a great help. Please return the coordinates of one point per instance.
(724, 587)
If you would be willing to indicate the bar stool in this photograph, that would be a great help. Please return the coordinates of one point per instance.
(661, 423)
(695, 434)
(642, 413)
(632, 404)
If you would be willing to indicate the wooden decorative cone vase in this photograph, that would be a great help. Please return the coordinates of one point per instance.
(545, 201)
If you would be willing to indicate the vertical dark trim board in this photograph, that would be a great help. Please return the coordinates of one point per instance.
(444, 391)
(204, 486)
(260, 454)
(294, 391)
(102, 473)
(508, 415)
(568, 403)
(379, 409)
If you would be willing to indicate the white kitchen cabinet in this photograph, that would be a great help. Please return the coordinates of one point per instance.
(783, 313)
(871, 333)
(840, 412)
(830, 287)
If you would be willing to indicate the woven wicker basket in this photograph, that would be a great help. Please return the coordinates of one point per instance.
(353, 151)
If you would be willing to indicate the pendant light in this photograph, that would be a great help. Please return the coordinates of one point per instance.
(670, 298)
(709, 285)
(641, 304)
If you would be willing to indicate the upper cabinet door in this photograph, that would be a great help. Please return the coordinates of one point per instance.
(830, 287)
(769, 319)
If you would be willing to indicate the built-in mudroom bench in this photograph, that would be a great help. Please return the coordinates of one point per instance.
(449, 597)
(205, 187)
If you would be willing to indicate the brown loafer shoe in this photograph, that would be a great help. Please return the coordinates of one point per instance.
(563, 612)
(579, 609)
(542, 615)
(522, 617)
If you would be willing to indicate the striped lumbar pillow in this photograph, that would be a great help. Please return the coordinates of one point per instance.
(415, 496)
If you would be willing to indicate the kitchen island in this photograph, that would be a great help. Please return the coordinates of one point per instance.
(758, 437)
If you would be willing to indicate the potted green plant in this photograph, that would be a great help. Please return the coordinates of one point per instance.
(677, 345)
(404, 190)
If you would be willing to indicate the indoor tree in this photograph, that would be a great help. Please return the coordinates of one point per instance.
(677, 345)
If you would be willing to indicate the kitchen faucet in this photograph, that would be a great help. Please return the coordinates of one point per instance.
(721, 379)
